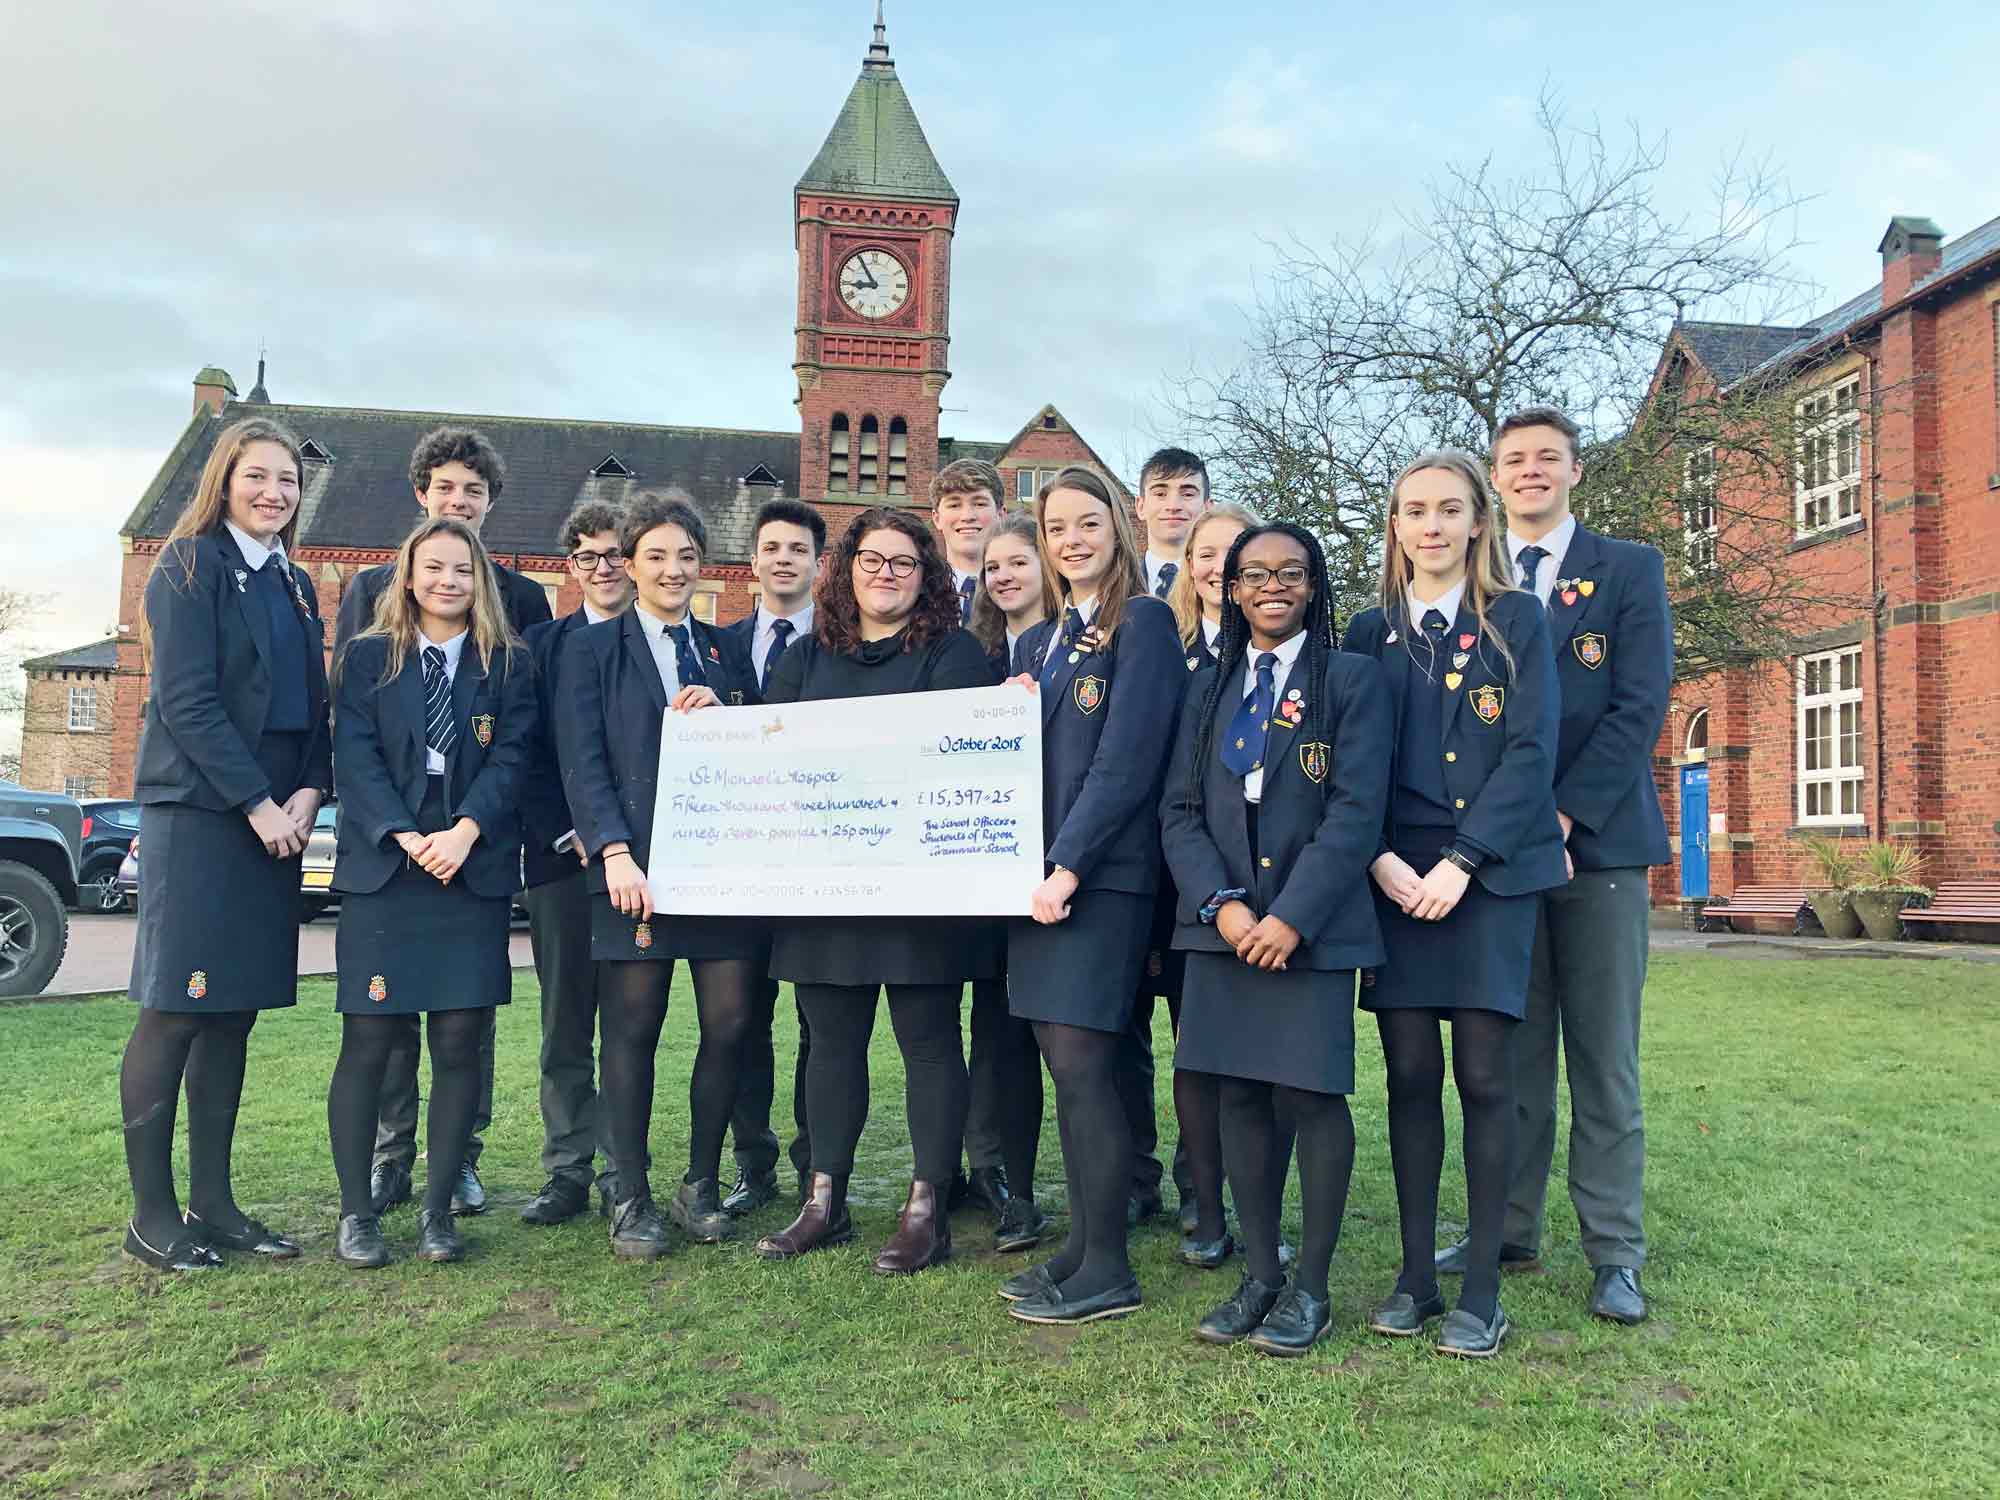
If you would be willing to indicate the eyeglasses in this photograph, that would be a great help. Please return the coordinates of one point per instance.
(900, 566)
(589, 562)
(1290, 576)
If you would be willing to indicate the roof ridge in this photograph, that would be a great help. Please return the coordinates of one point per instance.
(468, 416)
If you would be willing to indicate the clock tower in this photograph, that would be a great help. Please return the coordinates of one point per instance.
(874, 216)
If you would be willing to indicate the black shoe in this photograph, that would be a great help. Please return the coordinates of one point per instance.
(252, 1239)
(1236, 1318)
(1468, 1338)
(752, 1191)
(1190, 1218)
(1142, 1206)
(1615, 1294)
(388, 1185)
(1451, 1259)
(1025, 1286)
(437, 1237)
(1022, 1226)
(469, 1197)
(559, 1200)
(1402, 1316)
(697, 1208)
(358, 1242)
(1208, 1255)
(987, 1188)
(637, 1230)
(958, 1194)
(1052, 1307)
(186, 1253)
(1294, 1325)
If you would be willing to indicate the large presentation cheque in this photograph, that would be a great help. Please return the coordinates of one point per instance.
(921, 804)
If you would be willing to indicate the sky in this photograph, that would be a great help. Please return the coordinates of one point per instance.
(585, 210)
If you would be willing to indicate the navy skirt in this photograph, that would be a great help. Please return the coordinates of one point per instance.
(1288, 1026)
(1084, 971)
(615, 936)
(1475, 959)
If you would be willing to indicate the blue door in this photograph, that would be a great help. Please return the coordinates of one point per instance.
(1694, 833)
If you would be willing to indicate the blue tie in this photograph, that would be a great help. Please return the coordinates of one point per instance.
(964, 600)
(685, 662)
(781, 636)
(1528, 562)
(1060, 643)
(1243, 750)
(440, 733)
(1167, 572)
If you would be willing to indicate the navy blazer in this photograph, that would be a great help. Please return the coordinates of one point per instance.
(525, 602)
(544, 806)
(608, 736)
(379, 763)
(211, 681)
(1499, 773)
(1614, 651)
(1316, 835)
(1105, 741)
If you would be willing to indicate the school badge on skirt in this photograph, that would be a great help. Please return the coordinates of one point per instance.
(378, 988)
(1089, 693)
(1313, 756)
(1589, 650)
(482, 729)
(197, 984)
(1486, 702)
(642, 936)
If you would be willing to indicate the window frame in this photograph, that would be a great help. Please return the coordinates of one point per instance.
(1699, 528)
(77, 787)
(84, 693)
(1833, 776)
(1829, 434)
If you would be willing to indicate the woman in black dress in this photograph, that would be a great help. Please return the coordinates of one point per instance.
(233, 763)
(620, 676)
(436, 712)
(885, 620)
(1470, 837)
(1271, 816)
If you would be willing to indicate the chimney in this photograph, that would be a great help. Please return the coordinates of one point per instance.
(212, 388)
(1910, 252)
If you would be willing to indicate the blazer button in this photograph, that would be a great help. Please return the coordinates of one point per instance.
(1265, 861)
(1451, 755)
(1458, 802)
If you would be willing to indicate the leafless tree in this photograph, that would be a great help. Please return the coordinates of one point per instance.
(17, 610)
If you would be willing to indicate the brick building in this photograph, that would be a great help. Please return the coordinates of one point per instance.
(66, 726)
(874, 219)
(1885, 721)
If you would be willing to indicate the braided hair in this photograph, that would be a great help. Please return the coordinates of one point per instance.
(1233, 644)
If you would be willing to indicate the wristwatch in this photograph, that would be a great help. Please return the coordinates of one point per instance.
(1460, 858)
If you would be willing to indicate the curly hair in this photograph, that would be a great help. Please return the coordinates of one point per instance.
(589, 518)
(457, 445)
(837, 615)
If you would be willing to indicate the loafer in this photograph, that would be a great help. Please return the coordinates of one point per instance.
(1297, 1322)
(752, 1191)
(186, 1253)
(637, 1230)
(1402, 1316)
(1451, 1259)
(1208, 1255)
(1022, 1225)
(437, 1237)
(1615, 1294)
(1239, 1316)
(697, 1208)
(1025, 1285)
(388, 1185)
(252, 1239)
(357, 1242)
(986, 1187)
(1141, 1207)
(1052, 1307)
(559, 1201)
(469, 1197)
(1464, 1336)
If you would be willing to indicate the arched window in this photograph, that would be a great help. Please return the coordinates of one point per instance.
(899, 456)
(836, 454)
(1697, 733)
(870, 457)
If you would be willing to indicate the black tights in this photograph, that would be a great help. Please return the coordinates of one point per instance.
(935, 1088)
(1097, 1157)
(632, 1006)
(1482, 1062)
(1256, 1121)
(208, 1051)
(354, 1100)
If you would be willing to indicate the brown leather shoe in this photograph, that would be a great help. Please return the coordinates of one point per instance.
(922, 1237)
(822, 1221)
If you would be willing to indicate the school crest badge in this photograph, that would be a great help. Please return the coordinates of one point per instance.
(1486, 702)
(197, 984)
(1089, 693)
(482, 729)
(736, 698)
(378, 988)
(1313, 756)
(1589, 650)
(642, 936)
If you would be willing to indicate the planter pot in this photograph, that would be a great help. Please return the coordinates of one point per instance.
(1881, 913)
(1836, 916)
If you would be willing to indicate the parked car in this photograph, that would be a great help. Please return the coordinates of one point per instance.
(109, 826)
(41, 840)
(316, 867)
(128, 877)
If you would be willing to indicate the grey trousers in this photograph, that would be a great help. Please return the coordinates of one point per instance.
(396, 1126)
(559, 931)
(1588, 973)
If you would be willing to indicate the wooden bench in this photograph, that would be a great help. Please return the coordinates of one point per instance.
(1784, 901)
(1974, 903)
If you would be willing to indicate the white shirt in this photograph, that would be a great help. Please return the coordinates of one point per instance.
(1211, 631)
(1287, 654)
(592, 617)
(1556, 544)
(765, 634)
(1153, 566)
(255, 553)
(663, 648)
(452, 649)
(1446, 605)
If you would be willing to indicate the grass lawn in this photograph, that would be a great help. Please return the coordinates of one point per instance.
(1822, 1207)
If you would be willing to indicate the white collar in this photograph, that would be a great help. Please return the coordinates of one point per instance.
(1086, 610)
(1286, 654)
(801, 622)
(1210, 630)
(452, 649)
(652, 624)
(1556, 543)
(1154, 564)
(255, 553)
(592, 617)
(1447, 605)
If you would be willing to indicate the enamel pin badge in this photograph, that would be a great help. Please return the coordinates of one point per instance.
(240, 577)
(1453, 679)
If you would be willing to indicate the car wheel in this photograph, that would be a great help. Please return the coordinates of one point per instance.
(99, 890)
(34, 931)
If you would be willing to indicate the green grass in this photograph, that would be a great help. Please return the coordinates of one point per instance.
(1826, 1314)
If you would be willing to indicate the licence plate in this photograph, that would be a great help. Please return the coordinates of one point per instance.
(316, 880)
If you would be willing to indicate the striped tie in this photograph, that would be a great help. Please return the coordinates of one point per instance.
(440, 734)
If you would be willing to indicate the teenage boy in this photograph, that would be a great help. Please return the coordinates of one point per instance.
(455, 472)
(1173, 492)
(1612, 631)
(785, 552)
(965, 500)
(558, 905)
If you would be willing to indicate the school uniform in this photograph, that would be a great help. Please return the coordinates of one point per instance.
(1103, 757)
(236, 713)
(1472, 767)
(525, 602)
(408, 944)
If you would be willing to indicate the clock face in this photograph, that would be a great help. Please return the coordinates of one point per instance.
(874, 284)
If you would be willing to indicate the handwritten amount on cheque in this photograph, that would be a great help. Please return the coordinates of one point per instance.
(838, 820)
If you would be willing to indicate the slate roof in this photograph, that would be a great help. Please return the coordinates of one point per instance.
(1729, 351)
(876, 147)
(950, 450)
(98, 656)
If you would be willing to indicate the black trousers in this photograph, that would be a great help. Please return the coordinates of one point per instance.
(396, 1129)
(926, 1021)
(1135, 1093)
(755, 1143)
(573, 1131)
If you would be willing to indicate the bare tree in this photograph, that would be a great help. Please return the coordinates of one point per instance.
(17, 609)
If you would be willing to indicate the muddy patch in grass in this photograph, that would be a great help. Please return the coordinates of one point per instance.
(784, 1472)
(16, 1390)
(752, 1405)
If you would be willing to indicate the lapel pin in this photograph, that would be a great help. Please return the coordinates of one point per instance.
(1460, 658)
(1569, 596)
(1465, 640)
(1586, 587)
(1452, 680)
(240, 576)
(1389, 639)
